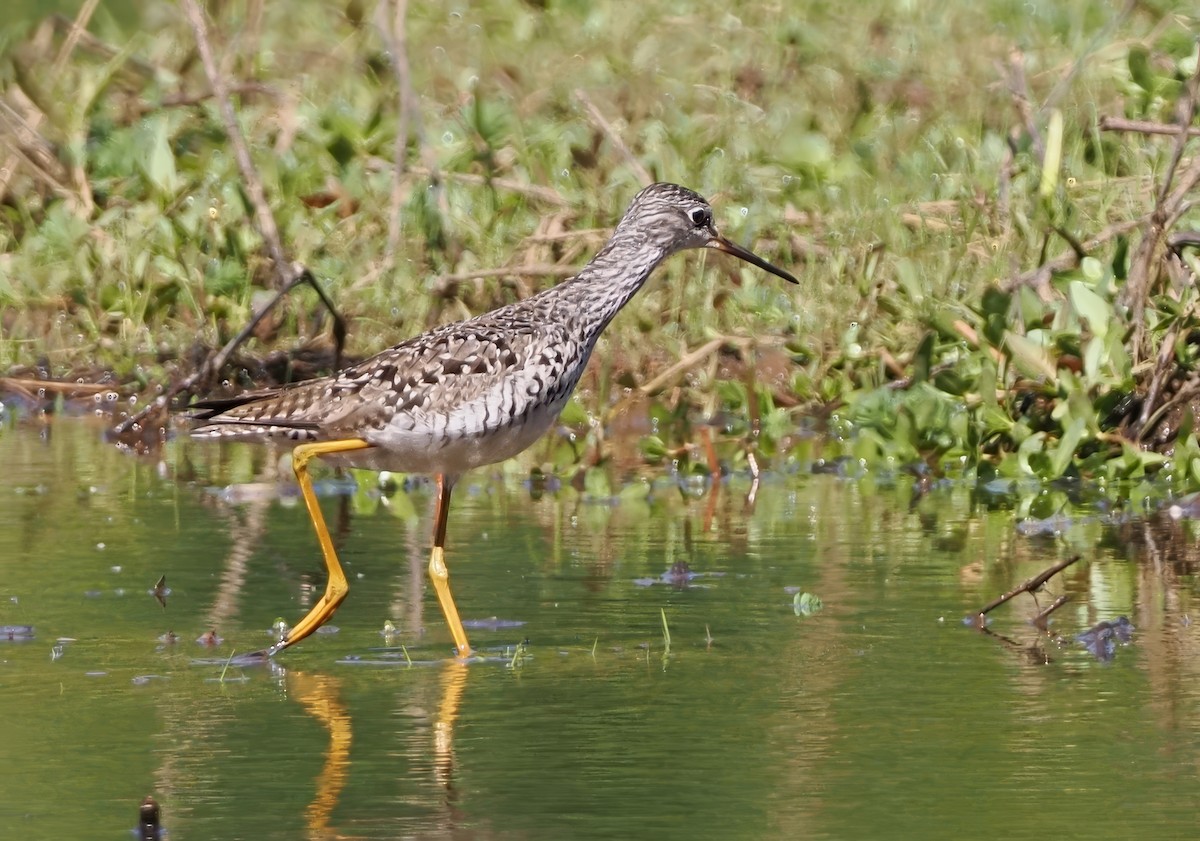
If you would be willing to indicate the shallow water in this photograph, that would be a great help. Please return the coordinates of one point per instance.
(880, 715)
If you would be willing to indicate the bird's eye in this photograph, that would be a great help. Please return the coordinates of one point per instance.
(700, 216)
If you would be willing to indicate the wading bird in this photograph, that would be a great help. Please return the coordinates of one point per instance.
(467, 394)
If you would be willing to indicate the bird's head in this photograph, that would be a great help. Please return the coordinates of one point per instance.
(675, 218)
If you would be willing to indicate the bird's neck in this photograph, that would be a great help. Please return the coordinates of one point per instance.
(611, 279)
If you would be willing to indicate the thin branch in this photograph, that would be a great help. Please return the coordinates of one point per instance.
(397, 45)
(1029, 585)
(1154, 226)
(215, 362)
(1043, 618)
(533, 270)
(56, 386)
(688, 361)
(607, 129)
(1040, 276)
(60, 62)
(241, 152)
(1144, 127)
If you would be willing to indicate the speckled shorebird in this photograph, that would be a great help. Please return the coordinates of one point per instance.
(466, 394)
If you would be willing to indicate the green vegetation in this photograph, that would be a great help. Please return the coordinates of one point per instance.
(987, 284)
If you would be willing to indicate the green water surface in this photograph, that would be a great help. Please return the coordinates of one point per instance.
(881, 716)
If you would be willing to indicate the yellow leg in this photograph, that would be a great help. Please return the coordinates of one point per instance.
(437, 567)
(336, 587)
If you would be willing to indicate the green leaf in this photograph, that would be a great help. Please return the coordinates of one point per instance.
(653, 448)
(1090, 307)
(596, 485)
(922, 360)
(159, 163)
(806, 604)
(1139, 68)
(1093, 356)
(1065, 451)
(1053, 159)
(573, 414)
(1030, 358)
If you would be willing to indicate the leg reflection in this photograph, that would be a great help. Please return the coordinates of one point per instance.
(320, 695)
(454, 681)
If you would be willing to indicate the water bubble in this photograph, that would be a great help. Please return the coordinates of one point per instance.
(745, 211)
(787, 179)
(448, 138)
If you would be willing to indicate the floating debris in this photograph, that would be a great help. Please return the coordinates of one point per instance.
(679, 576)
(160, 591)
(149, 826)
(1101, 639)
(142, 680)
(492, 623)
(209, 638)
(806, 604)
(16, 633)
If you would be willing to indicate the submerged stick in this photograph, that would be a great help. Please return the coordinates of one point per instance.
(1030, 585)
(1041, 620)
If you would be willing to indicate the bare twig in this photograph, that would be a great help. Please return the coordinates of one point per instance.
(214, 363)
(534, 270)
(1018, 87)
(60, 62)
(1162, 369)
(52, 181)
(241, 152)
(607, 129)
(288, 275)
(393, 30)
(32, 385)
(1039, 277)
(186, 100)
(545, 195)
(1029, 585)
(689, 361)
(1155, 224)
(397, 45)
(1042, 619)
(1144, 127)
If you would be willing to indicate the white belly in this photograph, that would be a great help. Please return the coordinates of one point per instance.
(442, 446)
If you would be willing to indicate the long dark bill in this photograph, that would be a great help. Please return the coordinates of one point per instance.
(721, 244)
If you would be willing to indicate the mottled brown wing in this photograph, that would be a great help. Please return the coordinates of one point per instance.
(445, 367)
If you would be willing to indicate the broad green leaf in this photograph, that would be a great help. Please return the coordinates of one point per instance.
(159, 163)
(1139, 68)
(1093, 356)
(806, 604)
(1067, 445)
(1091, 307)
(573, 414)
(1030, 358)
(1053, 159)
